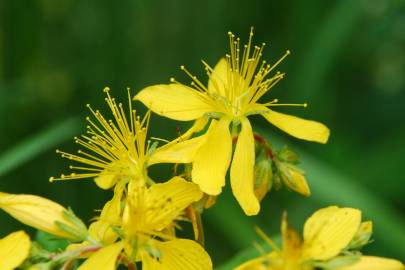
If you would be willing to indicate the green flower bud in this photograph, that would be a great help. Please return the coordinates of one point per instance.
(293, 178)
(362, 236)
(287, 155)
(263, 178)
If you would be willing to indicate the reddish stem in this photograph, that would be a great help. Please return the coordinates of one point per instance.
(127, 262)
(262, 141)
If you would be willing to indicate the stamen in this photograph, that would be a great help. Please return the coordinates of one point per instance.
(115, 146)
(267, 239)
(286, 104)
(160, 139)
(195, 79)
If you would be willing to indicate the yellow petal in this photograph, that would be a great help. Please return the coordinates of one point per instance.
(212, 159)
(292, 241)
(242, 170)
(14, 249)
(328, 231)
(254, 264)
(198, 125)
(179, 254)
(106, 180)
(375, 263)
(262, 263)
(166, 201)
(101, 230)
(300, 128)
(178, 152)
(175, 101)
(104, 259)
(36, 212)
(77, 246)
(218, 78)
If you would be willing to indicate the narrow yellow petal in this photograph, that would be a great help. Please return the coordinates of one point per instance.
(104, 259)
(292, 241)
(167, 201)
(179, 254)
(266, 262)
(178, 152)
(198, 125)
(14, 249)
(175, 101)
(101, 230)
(242, 170)
(374, 263)
(300, 128)
(218, 78)
(212, 159)
(328, 231)
(255, 264)
(36, 212)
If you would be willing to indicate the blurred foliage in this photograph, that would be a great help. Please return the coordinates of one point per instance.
(348, 63)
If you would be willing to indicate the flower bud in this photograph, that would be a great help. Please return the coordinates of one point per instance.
(44, 215)
(287, 155)
(293, 178)
(362, 236)
(263, 178)
(42, 266)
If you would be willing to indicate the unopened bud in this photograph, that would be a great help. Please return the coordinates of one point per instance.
(362, 237)
(263, 178)
(44, 215)
(42, 266)
(294, 178)
(287, 155)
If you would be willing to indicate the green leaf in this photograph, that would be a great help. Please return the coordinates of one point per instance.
(37, 144)
(247, 254)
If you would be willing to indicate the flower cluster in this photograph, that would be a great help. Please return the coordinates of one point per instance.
(138, 228)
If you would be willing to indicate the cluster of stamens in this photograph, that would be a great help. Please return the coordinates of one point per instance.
(114, 146)
(246, 78)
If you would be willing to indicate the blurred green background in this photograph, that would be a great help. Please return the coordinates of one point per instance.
(347, 62)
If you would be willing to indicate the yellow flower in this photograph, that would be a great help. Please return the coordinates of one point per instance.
(118, 150)
(14, 249)
(103, 259)
(146, 217)
(101, 230)
(329, 235)
(44, 215)
(145, 231)
(235, 86)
